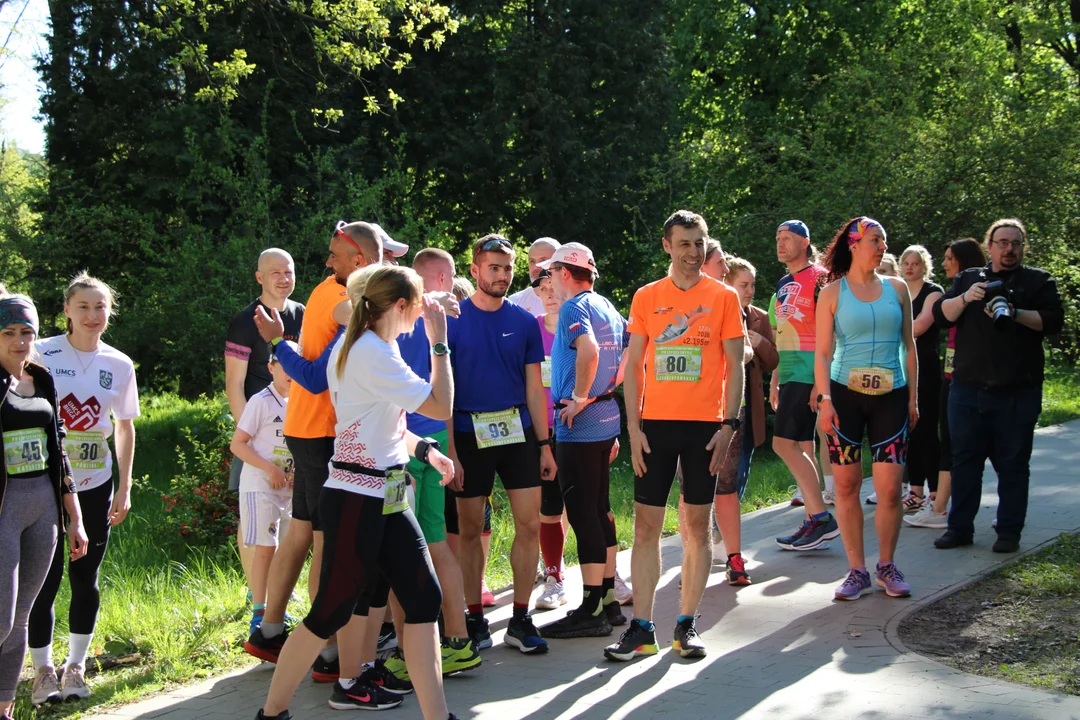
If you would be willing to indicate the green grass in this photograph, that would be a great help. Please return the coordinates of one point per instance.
(1061, 396)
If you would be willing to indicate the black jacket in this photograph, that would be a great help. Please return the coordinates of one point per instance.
(1011, 356)
(59, 467)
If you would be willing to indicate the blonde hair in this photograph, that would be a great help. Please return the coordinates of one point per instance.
(737, 264)
(924, 255)
(83, 281)
(888, 260)
(373, 291)
(462, 288)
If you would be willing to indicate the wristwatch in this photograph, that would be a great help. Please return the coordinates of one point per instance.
(546, 442)
(423, 447)
(440, 348)
(734, 423)
(575, 398)
(821, 397)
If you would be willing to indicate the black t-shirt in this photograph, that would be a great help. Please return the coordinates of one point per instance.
(243, 342)
(22, 418)
(927, 345)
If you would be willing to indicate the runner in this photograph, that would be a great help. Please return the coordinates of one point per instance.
(684, 385)
(372, 535)
(36, 486)
(95, 384)
(958, 256)
(542, 249)
(585, 358)
(309, 435)
(247, 356)
(863, 330)
(793, 432)
(500, 426)
(924, 450)
(391, 248)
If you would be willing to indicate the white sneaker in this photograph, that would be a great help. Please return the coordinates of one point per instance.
(797, 499)
(73, 685)
(872, 500)
(623, 592)
(552, 596)
(927, 518)
(46, 687)
(829, 496)
(719, 552)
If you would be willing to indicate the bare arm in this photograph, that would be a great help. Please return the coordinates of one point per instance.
(439, 405)
(925, 321)
(634, 393)
(124, 438)
(536, 401)
(235, 372)
(823, 353)
(912, 358)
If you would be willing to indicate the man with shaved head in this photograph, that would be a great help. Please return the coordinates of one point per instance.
(541, 250)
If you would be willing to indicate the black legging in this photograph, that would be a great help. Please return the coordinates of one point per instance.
(82, 574)
(583, 477)
(924, 449)
(359, 545)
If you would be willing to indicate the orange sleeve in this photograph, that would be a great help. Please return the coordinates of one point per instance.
(731, 319)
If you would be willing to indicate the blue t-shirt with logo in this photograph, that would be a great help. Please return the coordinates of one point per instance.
(489, 352)
(588, 314)
(416, 352)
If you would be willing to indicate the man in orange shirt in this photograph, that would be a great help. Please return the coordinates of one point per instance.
(684, 386)
(309, 434)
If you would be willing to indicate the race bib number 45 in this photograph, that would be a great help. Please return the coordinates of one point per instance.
(86, 450)
(502, 427)
(871, 380)
(24, 451)
(677, 362)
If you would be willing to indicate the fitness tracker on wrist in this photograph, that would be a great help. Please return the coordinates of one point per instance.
(733, 423)
(821, 397)
(423, 447)
(440, 349)
(545, 442)
(577, 399)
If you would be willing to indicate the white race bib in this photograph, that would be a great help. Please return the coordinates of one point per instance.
(501, 427)
(870, 380)
(24, 451)
(677, 362)
(86, 450)
(396, 498)
(950, 354)
(545, 372)
(283, 459)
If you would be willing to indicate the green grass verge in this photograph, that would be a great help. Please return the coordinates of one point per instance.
(1061, 396)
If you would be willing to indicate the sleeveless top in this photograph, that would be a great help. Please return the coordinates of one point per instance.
(868, 334)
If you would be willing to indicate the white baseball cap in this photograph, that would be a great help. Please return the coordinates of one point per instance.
(574, 254)
(397, 249)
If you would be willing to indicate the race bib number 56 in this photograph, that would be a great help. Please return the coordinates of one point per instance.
(678, 362)
(24, 451)
(502, 427)
(871, 380)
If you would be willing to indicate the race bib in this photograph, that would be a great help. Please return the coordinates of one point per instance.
(545, 372)
(870, 380)
(24, 451)
(396, 498)
(950, 354)
(283, 459)
(86, 450)
(677, 362)
(502, 427)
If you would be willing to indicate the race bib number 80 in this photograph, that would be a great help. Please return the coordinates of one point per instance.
(24, 451)
(679, 362)
(502, 427)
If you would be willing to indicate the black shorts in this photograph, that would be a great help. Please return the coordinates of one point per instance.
(794, 418)
(518, 465)
(311, 467)
(675, 442)
(884, 418)
(551, 499)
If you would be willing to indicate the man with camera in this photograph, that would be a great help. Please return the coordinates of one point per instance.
(1001, 312)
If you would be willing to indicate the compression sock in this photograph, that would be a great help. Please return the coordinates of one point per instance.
(590, 603)
(608, 589)
(552, 539)
(476, 612)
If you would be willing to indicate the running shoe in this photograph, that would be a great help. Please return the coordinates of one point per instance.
(579, 623)
(459, 655)
(813, 535)
(871, 499)
(362, 696)
(73, 684)
(736, 570)
(395, 663)
(325, 671)
(829, 496)
(635, 642)
(623, 592)
(892, 580)
(381, 676)
(687, 641)
(614, 614)
(46, 687)
(265, 648)
(283, 715)
(552, 596)
(479, 632)
(796, 498)
(913, 503)
(256, 620)
(855, 585)
(387, 637)
(487, 599)
(523, 635)
(927, 518)
(951, 540)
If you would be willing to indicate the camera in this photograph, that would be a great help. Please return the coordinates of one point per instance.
(997, 303)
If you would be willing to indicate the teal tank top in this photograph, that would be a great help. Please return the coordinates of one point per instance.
(868, 334)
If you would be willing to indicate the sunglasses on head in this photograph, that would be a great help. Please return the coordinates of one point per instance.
(495, 243)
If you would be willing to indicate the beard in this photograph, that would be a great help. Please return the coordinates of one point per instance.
(489, 289)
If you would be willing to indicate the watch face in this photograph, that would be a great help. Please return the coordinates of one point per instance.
(440, 348)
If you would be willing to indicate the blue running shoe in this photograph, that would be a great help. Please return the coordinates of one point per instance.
(523, 635)
(256, 621)
(855, 585)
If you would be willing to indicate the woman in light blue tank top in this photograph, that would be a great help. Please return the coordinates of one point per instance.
(866, 374)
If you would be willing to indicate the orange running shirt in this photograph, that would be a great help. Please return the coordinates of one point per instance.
(685, 365)
(312, 416)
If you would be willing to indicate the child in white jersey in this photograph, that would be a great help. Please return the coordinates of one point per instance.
(265, 494)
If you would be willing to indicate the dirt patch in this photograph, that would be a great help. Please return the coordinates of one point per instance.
(1020, 624)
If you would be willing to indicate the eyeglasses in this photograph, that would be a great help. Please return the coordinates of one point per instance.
(1005, 244)
(495, 243)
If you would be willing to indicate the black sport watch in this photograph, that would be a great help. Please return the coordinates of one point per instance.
(735, 423)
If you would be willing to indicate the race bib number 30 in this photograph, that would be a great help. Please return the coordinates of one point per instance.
(502, 427)
(678, 362)
(396, 498)
(24, 451)
(86, 450)
(870, 381)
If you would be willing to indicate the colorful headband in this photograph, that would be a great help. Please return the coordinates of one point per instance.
(860, 227)
(17, 310)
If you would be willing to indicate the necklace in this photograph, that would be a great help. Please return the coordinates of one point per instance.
(78, 356)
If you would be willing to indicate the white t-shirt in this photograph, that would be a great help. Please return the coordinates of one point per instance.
(264, 420)
(529, 300)
(371, 399)
(92, 389)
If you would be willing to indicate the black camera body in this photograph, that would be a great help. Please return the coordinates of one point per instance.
(997, 303)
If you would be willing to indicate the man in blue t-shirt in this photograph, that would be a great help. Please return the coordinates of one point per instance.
(585, 359)
(500, 426)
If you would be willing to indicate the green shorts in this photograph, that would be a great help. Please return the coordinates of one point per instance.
(430, 504)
